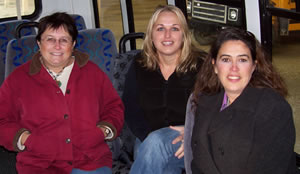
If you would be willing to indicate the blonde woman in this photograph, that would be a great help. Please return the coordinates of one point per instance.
(157, 88)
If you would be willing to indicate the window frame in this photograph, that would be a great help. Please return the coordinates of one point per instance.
(34, 15)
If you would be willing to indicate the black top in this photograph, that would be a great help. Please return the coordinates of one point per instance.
(254, 135)
(151, 102)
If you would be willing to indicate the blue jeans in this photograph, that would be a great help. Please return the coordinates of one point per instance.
(102, 170)
(156, 154)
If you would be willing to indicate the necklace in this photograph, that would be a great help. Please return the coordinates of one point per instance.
(58, 82)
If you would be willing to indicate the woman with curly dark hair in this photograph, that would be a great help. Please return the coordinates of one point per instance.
(238, 120)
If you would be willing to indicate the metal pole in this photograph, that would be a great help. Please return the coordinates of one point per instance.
(18, 5)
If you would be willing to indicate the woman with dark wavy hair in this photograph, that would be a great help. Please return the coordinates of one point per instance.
(238, 120)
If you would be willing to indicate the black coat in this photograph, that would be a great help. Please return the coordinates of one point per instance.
(254, 135)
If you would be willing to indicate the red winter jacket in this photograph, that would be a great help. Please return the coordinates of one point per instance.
(64, 132)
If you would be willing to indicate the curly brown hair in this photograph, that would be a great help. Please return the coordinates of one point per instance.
(264, 75)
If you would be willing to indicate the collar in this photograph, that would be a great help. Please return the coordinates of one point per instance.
(246, 101)
(35, 66)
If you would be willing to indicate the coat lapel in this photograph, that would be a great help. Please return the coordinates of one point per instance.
(222, 119)
(219, 121)
(203, 120)
(213, 125)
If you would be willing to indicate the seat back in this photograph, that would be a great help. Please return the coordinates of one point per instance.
(123, 61)
(79, 22)
(7, 32)
(19, 51)
(129, 37)
(121, 66)
(100, 45)
(25, 26)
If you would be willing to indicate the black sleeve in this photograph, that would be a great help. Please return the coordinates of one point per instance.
(275, 139)
(134, 116)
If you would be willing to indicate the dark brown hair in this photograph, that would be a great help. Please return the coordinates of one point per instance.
(55, 21)
(264, 75)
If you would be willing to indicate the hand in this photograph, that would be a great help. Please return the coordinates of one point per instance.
(44, 146)
(25, 135)
(180, 152)
(103, 130)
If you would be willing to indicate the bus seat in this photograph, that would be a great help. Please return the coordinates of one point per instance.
(100, 45)
(121, 65)
(79, 21)
(126, 139)
(129, 37)
(19, 51)
(123, 60)
(25, 26)
(7, 32)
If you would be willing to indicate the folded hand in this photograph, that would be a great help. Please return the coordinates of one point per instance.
(180, 152)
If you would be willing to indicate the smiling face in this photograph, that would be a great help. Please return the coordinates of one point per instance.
(167, 35)
(234, 66)
(56, 48)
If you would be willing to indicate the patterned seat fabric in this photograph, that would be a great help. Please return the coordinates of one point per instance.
(7, 32)
(19, 51)
(100, 45)
(79, 21)
(127, 140)
(121, 66)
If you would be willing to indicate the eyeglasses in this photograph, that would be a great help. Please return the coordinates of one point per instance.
(62, 41)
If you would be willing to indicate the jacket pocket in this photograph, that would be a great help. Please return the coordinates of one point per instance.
(31, 159)
(91, 143)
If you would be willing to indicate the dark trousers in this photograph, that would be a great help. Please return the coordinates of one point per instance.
(7, 161)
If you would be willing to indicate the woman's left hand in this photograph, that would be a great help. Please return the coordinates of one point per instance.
(180, 152)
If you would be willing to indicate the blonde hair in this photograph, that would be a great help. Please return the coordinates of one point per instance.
(187, 61)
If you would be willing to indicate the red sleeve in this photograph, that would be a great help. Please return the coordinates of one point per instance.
(112, 113)
(9, 117)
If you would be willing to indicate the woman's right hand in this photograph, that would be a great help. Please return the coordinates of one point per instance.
(42, 147)
(180, 152)
(25, 135)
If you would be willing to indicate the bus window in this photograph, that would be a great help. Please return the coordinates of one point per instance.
(8, 8)
(142, 11)
(284, 25)
(285, 55)
(110, 17)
